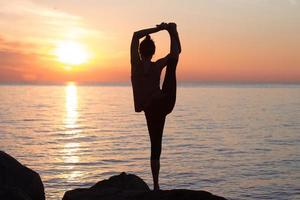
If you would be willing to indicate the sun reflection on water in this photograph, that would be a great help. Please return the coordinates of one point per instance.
(71, 106)
(71, 150)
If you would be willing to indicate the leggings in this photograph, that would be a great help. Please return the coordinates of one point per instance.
(159, 108)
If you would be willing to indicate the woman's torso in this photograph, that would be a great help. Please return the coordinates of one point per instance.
(145, 80)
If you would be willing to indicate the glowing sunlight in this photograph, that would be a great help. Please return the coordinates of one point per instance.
(71, 150)
(71, 105)
(71, 53)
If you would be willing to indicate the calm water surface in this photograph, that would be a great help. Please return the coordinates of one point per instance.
(241, 142)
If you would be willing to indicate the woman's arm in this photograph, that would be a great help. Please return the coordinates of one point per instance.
(175, 48)
(134, 52)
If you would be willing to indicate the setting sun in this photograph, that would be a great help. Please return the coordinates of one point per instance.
(71, 53)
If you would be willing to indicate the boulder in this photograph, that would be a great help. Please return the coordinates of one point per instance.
(11, 193)
(18, 181)
(178, 194)
(131, 187)
(116, 187)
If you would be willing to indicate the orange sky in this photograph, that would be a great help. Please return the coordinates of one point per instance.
(231, 41)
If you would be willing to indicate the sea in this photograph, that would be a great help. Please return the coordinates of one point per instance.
(239, 141)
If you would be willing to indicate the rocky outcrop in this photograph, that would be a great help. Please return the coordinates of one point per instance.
(12, 193)
(178, 194)
(18, 181)
(131, 187)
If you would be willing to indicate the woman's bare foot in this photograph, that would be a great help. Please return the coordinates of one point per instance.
(156, 188)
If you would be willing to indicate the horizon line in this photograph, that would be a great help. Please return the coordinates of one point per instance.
(128, 83)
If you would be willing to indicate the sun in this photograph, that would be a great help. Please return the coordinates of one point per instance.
(71, 53)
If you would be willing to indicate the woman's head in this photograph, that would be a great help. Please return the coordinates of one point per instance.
(147, 47)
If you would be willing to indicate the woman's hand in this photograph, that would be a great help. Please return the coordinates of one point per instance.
(162, 26)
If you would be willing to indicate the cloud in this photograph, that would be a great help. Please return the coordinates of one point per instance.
(8, 45)
(32, 21)
(293, 2)
(26, 7)
(13, 65)
(16, 60)
(17, 66)
(19, 60)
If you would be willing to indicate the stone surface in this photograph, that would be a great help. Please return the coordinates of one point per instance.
(10, 193)
(18, 181)
(131, 187)
(177, 194)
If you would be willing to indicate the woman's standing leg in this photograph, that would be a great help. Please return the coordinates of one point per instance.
(155, 125)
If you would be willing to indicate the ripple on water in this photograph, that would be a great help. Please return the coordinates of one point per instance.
(235, 142)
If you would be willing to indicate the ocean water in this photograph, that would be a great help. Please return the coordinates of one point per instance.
(237, 141)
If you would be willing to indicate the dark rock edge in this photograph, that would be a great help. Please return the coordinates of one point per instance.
(18, 182)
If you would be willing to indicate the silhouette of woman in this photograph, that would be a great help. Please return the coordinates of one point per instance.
(156, 102)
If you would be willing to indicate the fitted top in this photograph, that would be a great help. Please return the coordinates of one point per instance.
(145, 79)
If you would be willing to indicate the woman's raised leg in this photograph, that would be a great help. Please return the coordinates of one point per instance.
(169, 86)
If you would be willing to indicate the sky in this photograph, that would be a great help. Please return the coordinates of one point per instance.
(56, 41)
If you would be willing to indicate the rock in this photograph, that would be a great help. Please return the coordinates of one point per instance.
(18, 181)
(116, 187)
(177, 194)
(10, 193)
(131, 187)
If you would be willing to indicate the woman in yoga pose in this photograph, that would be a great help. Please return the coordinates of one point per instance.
(156, 102)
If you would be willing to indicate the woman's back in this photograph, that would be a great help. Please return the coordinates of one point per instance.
(145, 82)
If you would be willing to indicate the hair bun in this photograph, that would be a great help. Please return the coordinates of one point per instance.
(148, 37)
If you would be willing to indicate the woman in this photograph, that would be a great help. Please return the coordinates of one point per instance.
(145, 77)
